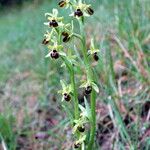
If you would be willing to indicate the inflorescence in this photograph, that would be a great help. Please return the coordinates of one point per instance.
(59, 33)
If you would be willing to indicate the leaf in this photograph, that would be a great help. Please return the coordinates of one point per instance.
(87, 108)
(72, 26)
(95, 87)
(63, 84)
(92, 44)
(46, 23)
(84, 112)
(55, 12)
(62, 53)
(48, 14)
(68, 111)
(63, 65)
(82, 108)
(48, 55)
(62, 99)
(4, 145)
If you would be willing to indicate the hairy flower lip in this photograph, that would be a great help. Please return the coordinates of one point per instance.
(95, 56)
(54, 54)
(67, 97)
(88, 90)
(66, 39)
(77, 145)
(53, 23)
(65, 34)
(78, 13)
(81, 128)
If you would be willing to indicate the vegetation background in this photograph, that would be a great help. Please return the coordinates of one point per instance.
(31, 116)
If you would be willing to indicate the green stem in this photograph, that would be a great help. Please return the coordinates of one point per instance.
(72, 79)
(84, 51)
(75, 94)
(93, 127)
(90, 76)
(73, 85)
(77, 36)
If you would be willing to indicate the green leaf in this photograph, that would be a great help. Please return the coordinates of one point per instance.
(95, 87)
(87, 107)
(55, 12)
(68, 111)
(63, 84)
(62, 53)
(82, 108)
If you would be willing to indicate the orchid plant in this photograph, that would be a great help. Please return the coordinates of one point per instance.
(60, 33)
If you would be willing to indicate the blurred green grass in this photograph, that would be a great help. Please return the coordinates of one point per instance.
(21, 35)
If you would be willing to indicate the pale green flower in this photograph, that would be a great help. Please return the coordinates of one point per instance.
(65, 89)
(53, 16)
(92, 50)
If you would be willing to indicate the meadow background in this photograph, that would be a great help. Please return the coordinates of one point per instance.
(31, 115)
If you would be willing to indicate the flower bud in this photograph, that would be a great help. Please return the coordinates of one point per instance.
(45, 42)
(66, 39)
(88, 90)
(54, 54)
(53, 23)
(95, 56)
(67, 97)
(65, 34)
(78, 13)
(90, 11)
(62, 3)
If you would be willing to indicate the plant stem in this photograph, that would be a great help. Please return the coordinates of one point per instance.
(90, 76)
(73, 85)
(72, 77)
(93, 127)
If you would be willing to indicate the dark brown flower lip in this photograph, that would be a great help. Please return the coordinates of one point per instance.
(66, 39)
(78, 13)
(65, 94)
(95, 56)
(54, 50)
(81, 128)
(88, 90)
(54, 54)
(77, 145)
(67, 97)
(53, 23)
(65, 34)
